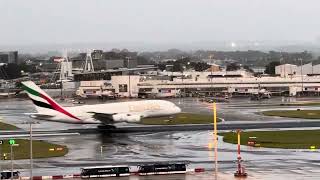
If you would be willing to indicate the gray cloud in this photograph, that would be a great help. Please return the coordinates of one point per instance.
(157, 21)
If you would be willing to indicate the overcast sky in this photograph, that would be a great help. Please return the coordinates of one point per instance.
(157, 21)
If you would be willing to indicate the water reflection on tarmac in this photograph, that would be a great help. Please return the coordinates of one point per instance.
(93, 150)
(101, 149)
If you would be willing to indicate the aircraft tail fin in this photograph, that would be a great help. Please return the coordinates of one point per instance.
(42, 100)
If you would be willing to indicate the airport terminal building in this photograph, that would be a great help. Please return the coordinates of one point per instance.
(239, 83)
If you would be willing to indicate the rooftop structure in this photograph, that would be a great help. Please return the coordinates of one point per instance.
(107, 60)
(286, 70)
(9, 57)
(107, 74)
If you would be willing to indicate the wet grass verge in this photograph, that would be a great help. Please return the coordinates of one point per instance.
(7, 127)
(41, 149)
(305, 114)
(291, 139)
(301, 104)
(181, 118)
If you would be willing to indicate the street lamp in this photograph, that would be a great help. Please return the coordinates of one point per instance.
(12, 144)
(31, 148)
(128, 66)
(301, 76)
(281, 66)
(211, 63)
(184, 88)
(1, 143)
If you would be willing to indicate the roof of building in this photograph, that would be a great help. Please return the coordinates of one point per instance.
(119, 70)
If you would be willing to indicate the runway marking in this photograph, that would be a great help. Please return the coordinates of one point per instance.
(37, 135)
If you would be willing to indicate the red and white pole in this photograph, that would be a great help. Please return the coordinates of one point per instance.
(239, 156)
(241, 171)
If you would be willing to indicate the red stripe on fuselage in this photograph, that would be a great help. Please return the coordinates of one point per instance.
(57, 107)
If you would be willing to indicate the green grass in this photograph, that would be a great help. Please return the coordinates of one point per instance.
(4, 126)
(302, 104)
(292, 139)
(41, 149)
(181, 118)
(305, 114)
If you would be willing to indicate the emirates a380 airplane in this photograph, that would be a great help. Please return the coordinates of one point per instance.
(132, 112)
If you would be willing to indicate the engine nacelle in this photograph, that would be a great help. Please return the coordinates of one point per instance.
(134, 118)
(126, 118)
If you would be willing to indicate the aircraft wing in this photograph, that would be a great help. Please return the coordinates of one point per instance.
(103, 117)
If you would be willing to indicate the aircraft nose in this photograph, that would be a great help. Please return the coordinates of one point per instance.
(177, 109)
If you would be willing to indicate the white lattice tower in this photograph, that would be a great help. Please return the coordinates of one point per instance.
(88, 66)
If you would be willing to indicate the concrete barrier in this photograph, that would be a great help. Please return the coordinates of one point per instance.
(50, 177)
(196, 170)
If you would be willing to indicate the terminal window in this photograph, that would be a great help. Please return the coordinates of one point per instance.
(123, 88)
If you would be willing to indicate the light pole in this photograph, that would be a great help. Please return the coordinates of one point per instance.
(301, 76)
(184, 88)
(11, 157)
(31, 148)
(1, 142)
(211, 73)
(31, 152)
(280, 61)
(187, 67)
(128, 66)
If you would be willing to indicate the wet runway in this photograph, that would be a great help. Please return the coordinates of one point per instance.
(92, 150)
(102, 149)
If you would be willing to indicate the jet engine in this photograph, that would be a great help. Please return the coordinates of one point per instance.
(126, 118)
(133, 118)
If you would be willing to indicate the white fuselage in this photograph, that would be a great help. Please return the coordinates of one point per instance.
(121, 111)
